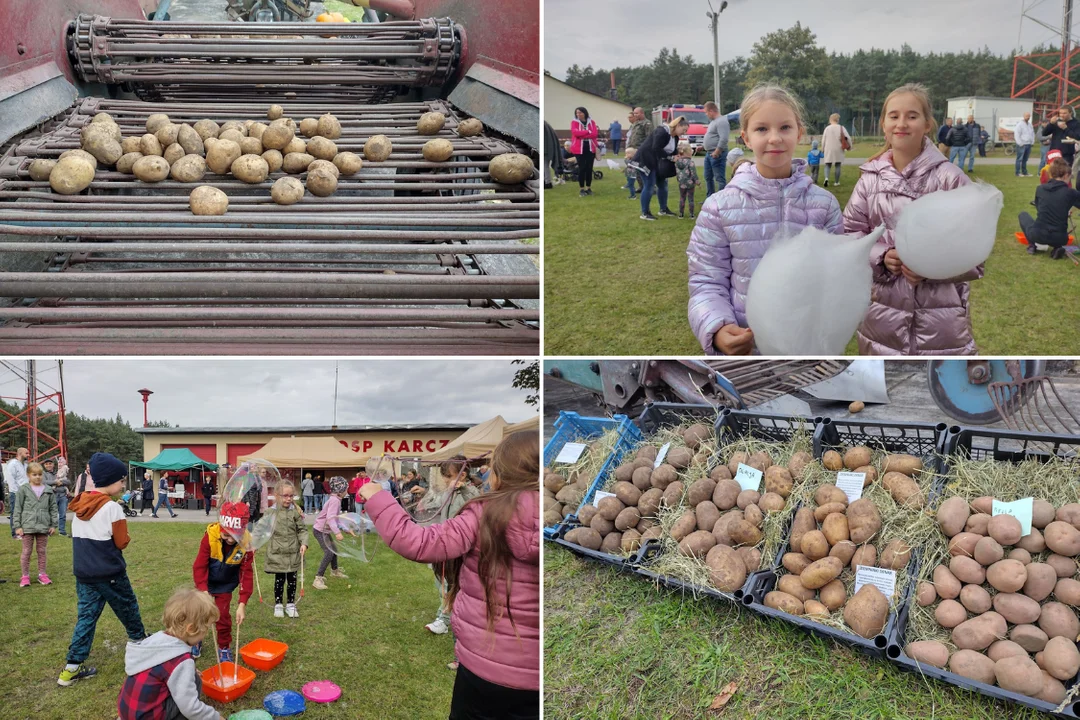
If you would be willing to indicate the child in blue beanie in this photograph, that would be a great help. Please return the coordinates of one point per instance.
(99, 535)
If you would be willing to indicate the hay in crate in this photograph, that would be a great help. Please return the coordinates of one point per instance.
(588, 464)
(915, 527)
(1053, 481)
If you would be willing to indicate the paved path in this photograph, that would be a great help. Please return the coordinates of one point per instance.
(996, 159)
(182, 516)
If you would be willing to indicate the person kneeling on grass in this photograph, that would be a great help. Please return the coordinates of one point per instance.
(162, 681)
(220, 566)
(1053, 202)
(493, 550)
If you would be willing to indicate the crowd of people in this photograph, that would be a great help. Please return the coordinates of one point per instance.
(477, 526)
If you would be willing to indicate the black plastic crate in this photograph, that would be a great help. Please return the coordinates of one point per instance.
(659, 415)
(1001, 446)
(729, 424)
(925, 440)
(623, 563)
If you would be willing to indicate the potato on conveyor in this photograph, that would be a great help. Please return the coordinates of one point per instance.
(189, 168)
(287, 191)
(207, 128)
(151, 168)
(378, 148)
(97, 140)
(250, 168)
(155, 121)
(166, 134)
(430, 123)
(208, 200)
(173, 153)
(274, 159)
(222, 155)
(41, 168)
(321, 182)
(438, 150)
(348, 163)
(322, 148)
(296, 162)
(510, 168)
(150, 145)
(296, 145)
(72, 174)
(277, 135)
(324, 164)
(309, 127)
(80, 153)
(251, 146)
(329, 127)
(275, 112)
(470, 127)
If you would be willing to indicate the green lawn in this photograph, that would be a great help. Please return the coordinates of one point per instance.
(616, 285)
(369, 639)
(616, 647)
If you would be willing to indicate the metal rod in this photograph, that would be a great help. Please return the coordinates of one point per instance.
(225, 247)
(395, 315)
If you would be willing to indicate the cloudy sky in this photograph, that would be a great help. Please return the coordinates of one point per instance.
(612, 33)
(269, 393)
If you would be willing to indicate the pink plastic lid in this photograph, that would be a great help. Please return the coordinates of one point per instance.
(322, 691)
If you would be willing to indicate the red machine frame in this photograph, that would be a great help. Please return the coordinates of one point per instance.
(1047, 75)
(28, 419)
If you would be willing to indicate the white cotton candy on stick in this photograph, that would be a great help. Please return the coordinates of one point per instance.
(809, 293)
(947, 233)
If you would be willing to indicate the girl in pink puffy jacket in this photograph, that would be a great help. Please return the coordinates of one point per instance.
(908, 314)
(493, 550)
(737, 224)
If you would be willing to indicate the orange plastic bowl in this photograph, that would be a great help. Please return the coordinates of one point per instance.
(216, 690)
(1022, 239)
(263, 654)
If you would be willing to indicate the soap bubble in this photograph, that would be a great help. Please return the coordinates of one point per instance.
(945, 234)
(354, 528)
(254, 484)
(809, 293)
(380, 468)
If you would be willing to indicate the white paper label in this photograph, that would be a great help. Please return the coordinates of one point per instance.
(661, 455)
(570, 453)
(748, 478)
(1020, 509)
(600, 495)
(851, 483)
(882, 578)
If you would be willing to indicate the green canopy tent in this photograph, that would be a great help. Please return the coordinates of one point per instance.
(176, 459)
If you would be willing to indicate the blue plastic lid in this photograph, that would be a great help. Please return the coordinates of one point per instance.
(282, 703)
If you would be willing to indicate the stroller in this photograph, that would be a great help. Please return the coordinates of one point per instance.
(125, 504)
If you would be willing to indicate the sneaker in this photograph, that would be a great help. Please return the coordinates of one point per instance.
(666, 213)
(438, 627)
(339, 574)
(224, 655)
(196, 649)
(70, 677)
(1057, 253)
(648, 216)
(588, 191)
(836, 184)
(290, 610)
(318, 583)
(682, 216)
(452, 666)
(582, 193)
(44, 579)
(25, 581)
(279, 611)
(1031, 250)
(826, 182)
(632, 197)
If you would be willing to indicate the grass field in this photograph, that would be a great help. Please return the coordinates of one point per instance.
(616, 647)
(616, 285)
(369, 639)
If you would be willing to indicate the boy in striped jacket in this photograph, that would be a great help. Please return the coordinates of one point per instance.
(99, 535)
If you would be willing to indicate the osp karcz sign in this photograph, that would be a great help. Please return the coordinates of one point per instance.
(396, 446)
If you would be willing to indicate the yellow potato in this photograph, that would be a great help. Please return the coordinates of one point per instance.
(208, 200)
(378, 148)
(348, 163)
(72, 174)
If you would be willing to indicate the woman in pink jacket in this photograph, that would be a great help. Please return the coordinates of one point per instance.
(908, 315)
(584, 132)
(737, 224)
(494, 549)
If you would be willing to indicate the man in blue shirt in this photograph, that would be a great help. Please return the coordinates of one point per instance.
(615, 134)
(716, 149)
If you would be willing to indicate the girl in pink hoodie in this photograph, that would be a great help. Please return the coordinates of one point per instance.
(493, 548)
(908, 314)
(737, 224)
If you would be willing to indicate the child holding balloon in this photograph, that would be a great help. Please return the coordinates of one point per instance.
(492, 551)
(284, 550)
(221, 565)
(909, 314)
(326, 523)
(737, 224)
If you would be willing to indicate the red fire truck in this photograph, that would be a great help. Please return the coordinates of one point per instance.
(694, 114)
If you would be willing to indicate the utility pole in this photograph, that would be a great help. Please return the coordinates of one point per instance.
(31, 404)
(714, 25)
(1066, 49)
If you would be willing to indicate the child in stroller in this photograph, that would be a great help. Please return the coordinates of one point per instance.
(125, 504)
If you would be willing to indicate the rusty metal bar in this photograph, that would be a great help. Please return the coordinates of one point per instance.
(304, 314)
(221, 248)
(294, 335)
(326, 345)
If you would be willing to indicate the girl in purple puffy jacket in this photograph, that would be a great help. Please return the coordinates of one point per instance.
(908, 314)
(737, 224)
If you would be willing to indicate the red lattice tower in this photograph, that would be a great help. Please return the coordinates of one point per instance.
(1068, 91)
(41, 401)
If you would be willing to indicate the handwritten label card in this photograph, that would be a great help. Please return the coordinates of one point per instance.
(748, 478)
(1021, 510)
(883, 578)
(570, 453)
(600, 495)
(661, 455)
(851, 483)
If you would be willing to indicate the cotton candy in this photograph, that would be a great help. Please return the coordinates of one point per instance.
(947, 233)
(809, 293)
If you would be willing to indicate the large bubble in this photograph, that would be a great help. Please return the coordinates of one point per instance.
(380, 468)
(254, 484)
(353, 528)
